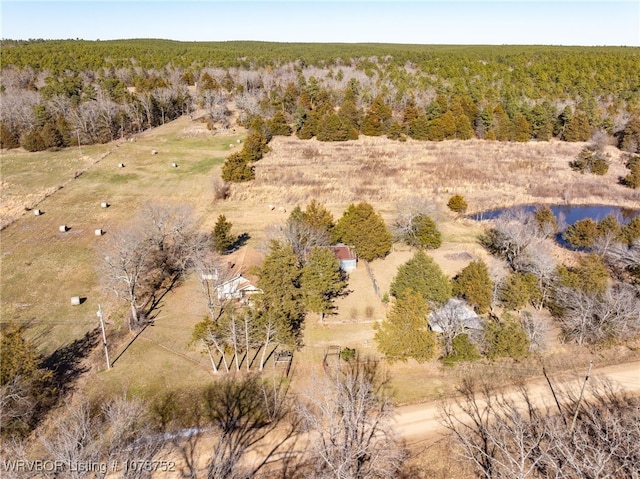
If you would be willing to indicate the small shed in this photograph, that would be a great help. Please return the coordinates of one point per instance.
(346, 255)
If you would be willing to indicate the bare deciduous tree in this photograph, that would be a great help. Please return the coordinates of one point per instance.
(450, 321)
(85, 442)
(212, 273)
(403, 227)
(147, 259)
(250, 424)
(303, 237)
(589, 318)
(512, 234)
(348, 419)
(513, 436)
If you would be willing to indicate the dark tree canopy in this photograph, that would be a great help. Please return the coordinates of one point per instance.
(364, 229)
(474, 284)
(421, 274)
(405, 333)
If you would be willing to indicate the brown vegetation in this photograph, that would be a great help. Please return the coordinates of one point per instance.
(488, 174)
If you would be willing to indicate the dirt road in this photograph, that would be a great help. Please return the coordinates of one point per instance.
(420, 421)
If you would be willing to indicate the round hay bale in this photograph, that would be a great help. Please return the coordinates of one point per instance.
(37, 212)
(75, 300)
(98, 232)
(104, 204)
(238, 140)
(175, 165)
(62, 228)
(120, 165)
(154, 152)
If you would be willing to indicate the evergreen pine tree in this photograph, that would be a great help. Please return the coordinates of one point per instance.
(223, 240)
(521, 128)
(474, 284)
(405, 332)
(322, 280)
(364, 229)
(422, 275)
(505, 339)
(281, 298)
(578, 128)
(376, 120)
(237, 169)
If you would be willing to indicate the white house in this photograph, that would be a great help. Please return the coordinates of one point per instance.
(237, 287)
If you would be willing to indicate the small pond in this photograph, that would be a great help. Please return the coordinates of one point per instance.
(569, 214)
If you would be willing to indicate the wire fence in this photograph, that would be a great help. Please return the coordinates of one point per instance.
(376, 288)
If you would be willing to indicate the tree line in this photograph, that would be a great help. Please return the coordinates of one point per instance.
(420, 92)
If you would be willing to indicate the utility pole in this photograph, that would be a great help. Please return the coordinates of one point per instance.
(575, 415)
(104, 337)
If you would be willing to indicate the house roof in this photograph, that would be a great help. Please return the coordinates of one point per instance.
(243, 260)
(343, 252)
(466, 316)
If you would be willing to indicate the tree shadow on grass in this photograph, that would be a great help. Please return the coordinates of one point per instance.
(66, 364)
(239, 242)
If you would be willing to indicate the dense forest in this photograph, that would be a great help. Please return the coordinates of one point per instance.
(59, 93)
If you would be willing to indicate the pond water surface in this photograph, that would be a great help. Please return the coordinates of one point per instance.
(569, 214)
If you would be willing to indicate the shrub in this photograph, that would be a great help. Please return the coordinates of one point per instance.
(457, 204)
(32, 141)
(505, 339)
(581, 234)
(589, 161)
(347, 354)
(632, 180)
(8, 138)
(463, 350)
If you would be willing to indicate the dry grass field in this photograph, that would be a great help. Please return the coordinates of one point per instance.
(488, 174)
(43, 267)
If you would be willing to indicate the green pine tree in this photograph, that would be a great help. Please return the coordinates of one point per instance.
(364, 229)
(322, 281)
(474, 284)
(237, 169)
(521, 128)
(424, 233)
(421, 274)
(577, 128)
(505, 339)
(316, 215)
(581, 234)
(282, 298)
(405, 332)
(519, 290)
(376, 120)
(223, 240)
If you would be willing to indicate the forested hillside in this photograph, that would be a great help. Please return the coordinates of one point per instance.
(58, 93)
